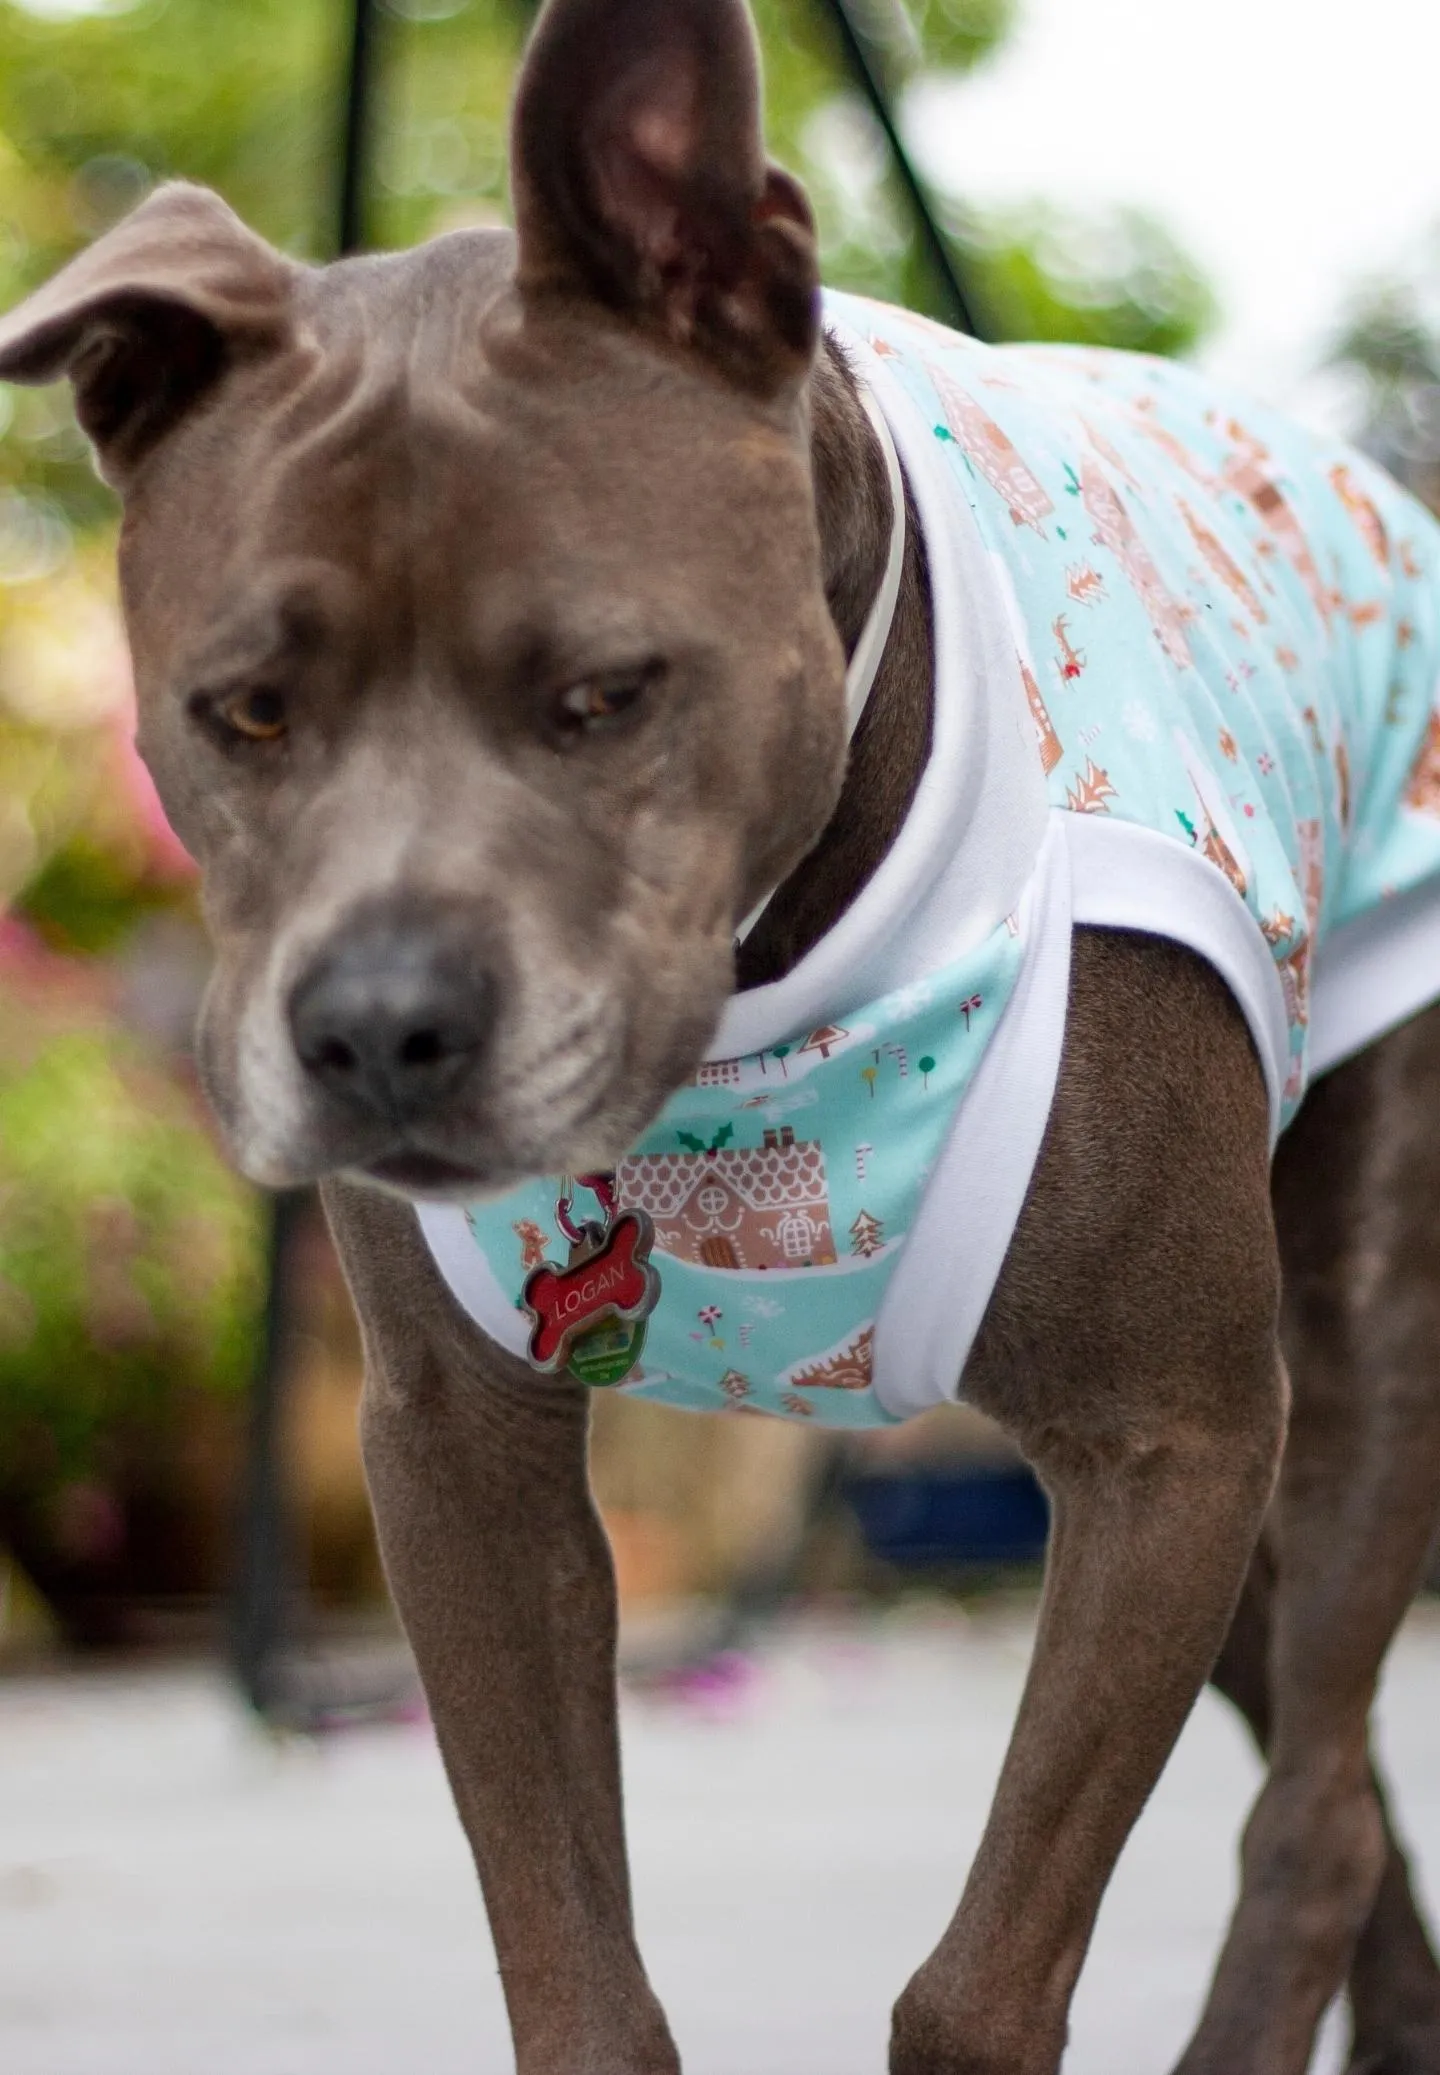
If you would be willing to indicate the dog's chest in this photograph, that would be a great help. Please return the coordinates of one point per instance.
(782, 1185)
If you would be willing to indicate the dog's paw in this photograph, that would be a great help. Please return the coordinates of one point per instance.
(1417, 2052)
(939, 2030)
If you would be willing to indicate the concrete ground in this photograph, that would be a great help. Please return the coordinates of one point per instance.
(178, 1894)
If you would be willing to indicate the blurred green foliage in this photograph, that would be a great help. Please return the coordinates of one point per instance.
(1389, 340)
(130, 1257)
(84, 898)
(98, 101)
(130, 1260)
(1037, 272)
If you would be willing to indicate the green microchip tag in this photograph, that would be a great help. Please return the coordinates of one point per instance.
(607, 1353)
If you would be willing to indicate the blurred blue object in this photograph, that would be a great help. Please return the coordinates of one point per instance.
(982, 1514)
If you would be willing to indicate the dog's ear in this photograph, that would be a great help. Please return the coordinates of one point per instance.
(640, 178)
(146, 319)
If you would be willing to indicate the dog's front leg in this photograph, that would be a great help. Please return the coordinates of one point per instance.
(502, 1575)
(1132, 1348)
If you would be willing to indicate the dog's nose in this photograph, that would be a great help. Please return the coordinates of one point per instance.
(394, 1014)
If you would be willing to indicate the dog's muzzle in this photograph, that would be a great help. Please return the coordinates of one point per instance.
(393, 1016)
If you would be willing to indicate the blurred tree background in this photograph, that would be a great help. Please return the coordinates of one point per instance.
(1388, 345)
(131, 1266)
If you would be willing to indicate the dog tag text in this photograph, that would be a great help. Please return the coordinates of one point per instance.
(609, 1281)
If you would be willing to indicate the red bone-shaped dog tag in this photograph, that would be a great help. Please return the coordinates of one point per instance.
(615, 1280)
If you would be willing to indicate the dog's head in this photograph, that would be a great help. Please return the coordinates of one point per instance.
(476, 606)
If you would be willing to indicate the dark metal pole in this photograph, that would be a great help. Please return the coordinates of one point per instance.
(933, 241)
(264, 1582)
(265, 1588)
(359, 110)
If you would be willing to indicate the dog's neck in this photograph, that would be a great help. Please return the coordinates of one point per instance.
(892, 742)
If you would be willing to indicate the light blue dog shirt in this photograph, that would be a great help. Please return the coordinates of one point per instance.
(1186, 675)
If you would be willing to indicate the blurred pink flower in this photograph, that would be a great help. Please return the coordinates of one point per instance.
(19, 945)
(34, 974)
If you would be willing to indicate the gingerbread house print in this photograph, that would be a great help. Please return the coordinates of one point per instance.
(1312, 868)
(1344, 798)
(1363, 511)
(994, 453)
(1248, 474)
(1110, 454)
(1422, 794)
(1115, 530)
(1294, 971)
(1223, 563)
(1213, 846)
(849, 1367)
(1046, 739)
(1176, 450)
(1292, 961)
(764, 1206)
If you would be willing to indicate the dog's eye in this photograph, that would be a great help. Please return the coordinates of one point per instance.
(592, 701)
(257, 713)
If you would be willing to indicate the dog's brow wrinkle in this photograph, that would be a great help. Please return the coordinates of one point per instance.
(237, 650)
(365, 403)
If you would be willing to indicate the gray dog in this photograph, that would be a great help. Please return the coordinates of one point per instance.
(491, 607)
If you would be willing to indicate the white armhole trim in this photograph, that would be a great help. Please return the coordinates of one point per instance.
(469, 1276)
(1373, 974)
(953, 1254)
(1124, 876)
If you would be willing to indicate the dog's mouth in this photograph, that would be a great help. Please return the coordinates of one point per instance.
(425, 1174)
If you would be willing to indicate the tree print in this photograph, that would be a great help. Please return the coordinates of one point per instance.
(867, 1235)
(1085, 585)
(927, 1067)
(824, 1039)
(1090, 791)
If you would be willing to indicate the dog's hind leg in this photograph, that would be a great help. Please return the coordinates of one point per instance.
(1357, 1192)
(1131, 1347)
(1394, 1977)
(502, 1575)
